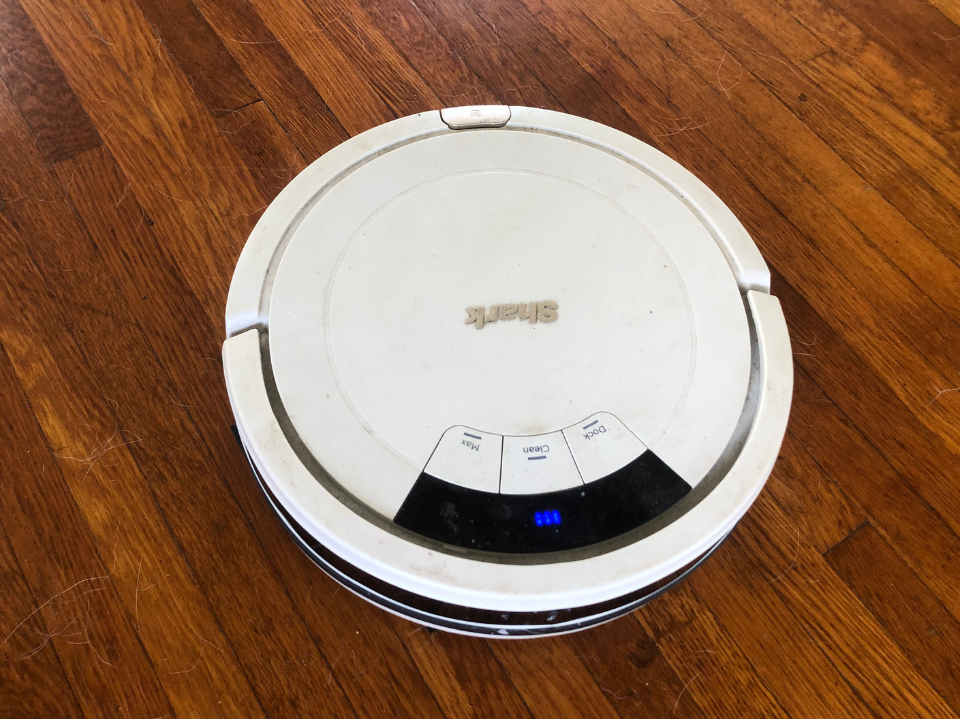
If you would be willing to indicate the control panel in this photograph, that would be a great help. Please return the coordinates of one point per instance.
(551, 492)
(534, 464)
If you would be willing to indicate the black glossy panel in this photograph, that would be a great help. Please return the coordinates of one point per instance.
(507, 523)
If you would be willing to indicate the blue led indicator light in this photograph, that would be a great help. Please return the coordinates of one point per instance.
(546, 518)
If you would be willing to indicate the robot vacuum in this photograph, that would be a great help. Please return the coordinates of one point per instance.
(505, 371)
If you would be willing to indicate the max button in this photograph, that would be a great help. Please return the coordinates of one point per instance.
(468, 458)
(601, 445)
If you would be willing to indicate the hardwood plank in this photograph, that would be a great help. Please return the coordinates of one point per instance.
(923, 189)
(561, 74)
(811, 499)
(904, 606)
(551, 680)
(374, 56)
(950, 8)
(366, 655)
(846, 86)
(208, 162)
(921, 33)
(462, 673)
(39, 89)
(881, 66)
(780, 28)
(195, 665)
(872, 448)
(75, 595)
(215, 76)
(32, 680)
(478, 45)
(428, 52)
(754, 158)
(877, 670)
(150, 423)
(347, 92)
(122, 515)
(253, 613)
(632, 672)
(713, 668)
(919, 533)
(741, 593)
(817, 163)
(370, 666)
(172, 194)
(298, 106)
(265, 148)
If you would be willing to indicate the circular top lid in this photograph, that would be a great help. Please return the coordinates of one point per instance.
(518, 311)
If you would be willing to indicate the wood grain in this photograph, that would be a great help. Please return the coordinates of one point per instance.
(59, 124)
(288, 93)
(908, 611)
(142, 571)
(212, 71)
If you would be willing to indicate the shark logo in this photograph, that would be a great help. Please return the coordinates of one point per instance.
(533, 312)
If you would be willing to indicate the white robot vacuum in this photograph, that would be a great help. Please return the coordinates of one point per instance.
(505, 371)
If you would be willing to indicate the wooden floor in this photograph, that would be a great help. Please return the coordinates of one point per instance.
(142, 573)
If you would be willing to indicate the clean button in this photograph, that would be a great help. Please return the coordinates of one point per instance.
(533, 465)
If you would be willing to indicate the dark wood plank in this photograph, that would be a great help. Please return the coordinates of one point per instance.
(565, 78)
(298, 106)
(924, 190)
(133, 412)
(713, 668)
(818, 163)
(948, 8)
(741, 593)
(70, 581)
(349, 94)
(429, 52)
(921, 33)
(847, 634)
(32, 681)
(810, 497)
(462, 672)
(632, 672)
(58, 122)
(185, 174)
(214, 74)
(875, 452)
(478, 45)
(92, 444)
(551, 679)
(266, 149)
(909, 613)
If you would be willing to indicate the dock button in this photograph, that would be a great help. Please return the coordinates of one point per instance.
(468, 458)
(537, 464)
(601, 445)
